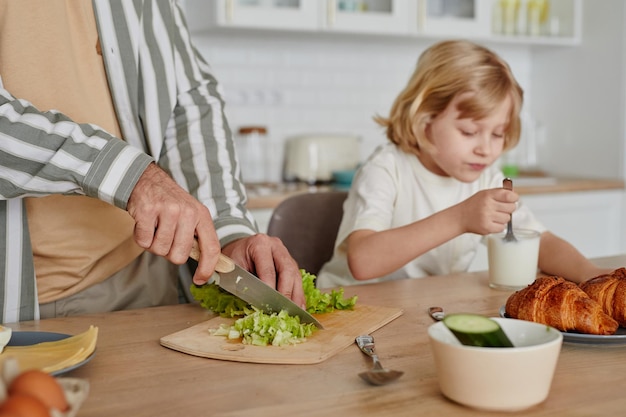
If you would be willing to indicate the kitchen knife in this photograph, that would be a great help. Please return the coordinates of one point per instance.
(243, 284)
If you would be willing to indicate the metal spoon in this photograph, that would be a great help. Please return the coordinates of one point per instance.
(436, 313)
(377, 375)
(507, 184)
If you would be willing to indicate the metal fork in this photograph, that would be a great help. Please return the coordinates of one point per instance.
(378, 375)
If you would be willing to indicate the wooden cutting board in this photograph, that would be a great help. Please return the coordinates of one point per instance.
(340, 329)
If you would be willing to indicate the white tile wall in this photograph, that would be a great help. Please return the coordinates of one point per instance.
(318, 84)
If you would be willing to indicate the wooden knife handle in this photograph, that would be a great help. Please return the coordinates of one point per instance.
(224, 263)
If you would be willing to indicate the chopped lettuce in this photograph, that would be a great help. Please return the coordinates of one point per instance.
(261, 329)
(258, 328)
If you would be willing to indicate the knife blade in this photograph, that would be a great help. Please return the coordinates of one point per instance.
(243, 284)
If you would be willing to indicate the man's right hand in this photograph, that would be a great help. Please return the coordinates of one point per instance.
(167, 218)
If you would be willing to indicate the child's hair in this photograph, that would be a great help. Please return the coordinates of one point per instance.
(443, 71)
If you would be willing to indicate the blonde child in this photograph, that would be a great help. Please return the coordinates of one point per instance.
(421, 204)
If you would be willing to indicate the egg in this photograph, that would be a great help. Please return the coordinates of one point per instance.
(22, 405)
(42, 386)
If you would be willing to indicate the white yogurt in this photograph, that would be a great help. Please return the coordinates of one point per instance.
(513, 265)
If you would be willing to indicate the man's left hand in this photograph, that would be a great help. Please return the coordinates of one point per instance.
(269, 259)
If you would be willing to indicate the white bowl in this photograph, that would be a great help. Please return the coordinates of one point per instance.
(497, 379)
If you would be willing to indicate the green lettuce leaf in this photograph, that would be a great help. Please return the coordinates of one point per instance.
(213, 298)
(320, 302)
(261, 329)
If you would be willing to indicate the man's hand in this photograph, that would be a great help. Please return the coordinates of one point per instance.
(167, 218)
(269, 259)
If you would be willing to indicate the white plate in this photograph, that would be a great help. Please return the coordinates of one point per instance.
(32, 338)
(619, 338)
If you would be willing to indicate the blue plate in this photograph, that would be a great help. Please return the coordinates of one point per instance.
(32, 338)
(619, 338)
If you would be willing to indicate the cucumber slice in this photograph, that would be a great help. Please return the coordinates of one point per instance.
(477, 330)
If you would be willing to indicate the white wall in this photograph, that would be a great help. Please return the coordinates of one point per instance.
(312, 83)
(580, 93)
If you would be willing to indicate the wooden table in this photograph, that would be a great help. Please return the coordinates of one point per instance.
(132, 375)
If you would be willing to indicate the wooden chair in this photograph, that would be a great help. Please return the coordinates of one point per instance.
(308, 225)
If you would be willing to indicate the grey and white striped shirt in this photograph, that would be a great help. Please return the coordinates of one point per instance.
(169, 110)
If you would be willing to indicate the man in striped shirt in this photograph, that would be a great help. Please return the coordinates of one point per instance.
(114, 153)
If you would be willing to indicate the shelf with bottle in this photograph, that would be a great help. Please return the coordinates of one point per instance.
(547, 20)
(556, 22)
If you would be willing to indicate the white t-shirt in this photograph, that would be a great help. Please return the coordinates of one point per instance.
(393, 189)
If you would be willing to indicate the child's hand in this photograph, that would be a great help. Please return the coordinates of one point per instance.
(488, 211)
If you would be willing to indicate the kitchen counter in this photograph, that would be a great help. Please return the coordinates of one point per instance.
(268, 196)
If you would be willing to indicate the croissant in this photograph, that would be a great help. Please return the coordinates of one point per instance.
(610, 292)
(559, 303)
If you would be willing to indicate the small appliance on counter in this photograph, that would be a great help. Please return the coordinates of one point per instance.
(313, 158)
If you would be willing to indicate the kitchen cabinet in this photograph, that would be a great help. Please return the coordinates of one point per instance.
(357, 16)
(485, 20)
(466, 18)
(252, 14)
(520, 21)
(373, 16)
(591, 221)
